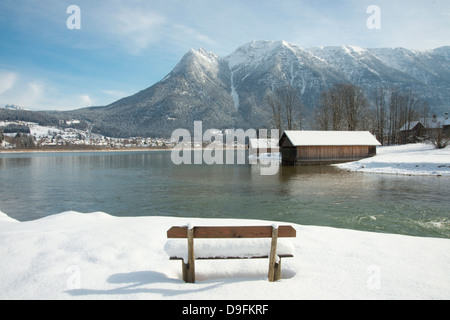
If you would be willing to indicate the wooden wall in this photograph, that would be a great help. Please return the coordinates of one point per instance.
(326, 154)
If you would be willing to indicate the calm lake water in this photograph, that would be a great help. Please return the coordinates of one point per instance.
(35, 185)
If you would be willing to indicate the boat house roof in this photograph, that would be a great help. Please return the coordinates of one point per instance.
(329, 138)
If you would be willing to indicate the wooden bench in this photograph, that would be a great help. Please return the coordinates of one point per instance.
(190, 233)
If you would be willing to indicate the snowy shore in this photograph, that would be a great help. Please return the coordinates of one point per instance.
(411, 159)
(98, 256)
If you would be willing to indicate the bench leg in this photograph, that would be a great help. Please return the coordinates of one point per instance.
(189, 268)
(277, 271)
(274, 265)
(188, 272)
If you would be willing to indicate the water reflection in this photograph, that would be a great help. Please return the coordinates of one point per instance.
(148, 183)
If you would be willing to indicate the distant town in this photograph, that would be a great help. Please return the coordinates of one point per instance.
(18, 135)
(29, 135)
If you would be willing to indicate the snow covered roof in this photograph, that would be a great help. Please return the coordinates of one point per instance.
(428, 123)
(331, 138)
(409, 126)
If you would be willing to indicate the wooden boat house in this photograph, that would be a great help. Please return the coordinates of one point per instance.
(326, 147)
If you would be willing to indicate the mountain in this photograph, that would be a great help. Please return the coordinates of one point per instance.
(15, 107)
(229, 92)
(198, 88)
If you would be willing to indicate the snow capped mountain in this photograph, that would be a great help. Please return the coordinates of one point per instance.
(14, 107)
(229, 92)
(252, 53)
(428, 67)
(270, 64)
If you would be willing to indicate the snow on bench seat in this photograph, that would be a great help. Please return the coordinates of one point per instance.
(228, 248)
(242, 242)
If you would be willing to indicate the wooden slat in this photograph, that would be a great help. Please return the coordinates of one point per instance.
(311, 154)
(231, 232)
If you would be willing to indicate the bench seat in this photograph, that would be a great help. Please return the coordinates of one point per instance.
(228, 249)
(242, 242)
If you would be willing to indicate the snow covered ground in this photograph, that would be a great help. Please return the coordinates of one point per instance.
(98, 256)
(410, 159)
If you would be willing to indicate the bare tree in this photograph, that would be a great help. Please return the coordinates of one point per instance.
(412, 102)
(379, 99)
(322, 114)
(342, 107)
(330, 114)
(354, 104)
(275, 110)
(424, 110)
(439, 139)
(396, 100)
(285, 108)
(404, 107)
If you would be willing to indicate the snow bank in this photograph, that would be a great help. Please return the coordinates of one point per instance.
(410, 159)
(97, 256)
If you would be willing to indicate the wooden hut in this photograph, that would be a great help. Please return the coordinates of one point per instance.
(412, 132)
(416, 131)
(326, 147)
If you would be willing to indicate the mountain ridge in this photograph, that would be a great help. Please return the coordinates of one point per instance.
(229, 92)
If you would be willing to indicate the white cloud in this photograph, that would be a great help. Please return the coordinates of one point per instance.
(141, 26)
(187, 32)
(85, 101)
(7, 81)
(29, 94)
(134, 28)
(39, 94)
(36, 89)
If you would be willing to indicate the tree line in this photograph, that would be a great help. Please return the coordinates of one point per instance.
(347, 107)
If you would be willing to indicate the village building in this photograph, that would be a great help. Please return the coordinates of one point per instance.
(326, 147)
(416, 131)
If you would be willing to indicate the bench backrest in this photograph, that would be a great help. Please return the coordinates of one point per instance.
(231, 232)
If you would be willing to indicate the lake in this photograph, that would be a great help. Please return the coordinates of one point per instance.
(35, 185)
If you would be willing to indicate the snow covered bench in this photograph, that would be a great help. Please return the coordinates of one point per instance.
(243, 244)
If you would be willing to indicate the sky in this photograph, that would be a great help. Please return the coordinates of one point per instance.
(53, 57)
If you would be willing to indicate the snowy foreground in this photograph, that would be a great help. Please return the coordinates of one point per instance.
(410, 159)
(97, 256)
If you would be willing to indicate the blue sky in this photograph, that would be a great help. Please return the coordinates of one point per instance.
(126, 46)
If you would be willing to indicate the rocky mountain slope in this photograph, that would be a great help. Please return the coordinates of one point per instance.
(229, 92)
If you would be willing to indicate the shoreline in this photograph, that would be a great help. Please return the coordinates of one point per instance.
(19, 151)
(80, 150)
(407, 160)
